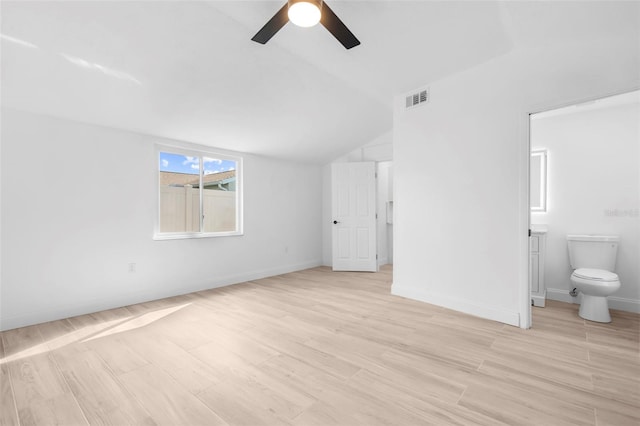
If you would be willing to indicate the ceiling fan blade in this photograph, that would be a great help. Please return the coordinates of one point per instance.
(273, 26)
(336, 27)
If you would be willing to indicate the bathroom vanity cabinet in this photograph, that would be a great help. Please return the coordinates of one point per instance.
(538, 242)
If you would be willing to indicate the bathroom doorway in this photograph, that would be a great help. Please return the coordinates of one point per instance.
(385, 212)
(584, 178)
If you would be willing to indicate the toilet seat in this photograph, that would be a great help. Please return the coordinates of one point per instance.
(599, 275)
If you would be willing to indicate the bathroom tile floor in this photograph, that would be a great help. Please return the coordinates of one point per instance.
(319, 348)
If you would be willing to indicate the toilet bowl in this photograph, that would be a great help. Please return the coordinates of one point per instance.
(593, 258)
(595, 285)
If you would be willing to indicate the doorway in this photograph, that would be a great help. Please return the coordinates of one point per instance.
(344, 246)
(354, 217)
(584, 178)
(385, 212)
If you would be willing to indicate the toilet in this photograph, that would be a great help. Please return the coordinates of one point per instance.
(593, 258)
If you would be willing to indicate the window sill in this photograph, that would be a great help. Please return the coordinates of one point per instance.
(195, 235)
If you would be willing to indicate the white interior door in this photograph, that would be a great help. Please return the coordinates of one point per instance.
(354, 216)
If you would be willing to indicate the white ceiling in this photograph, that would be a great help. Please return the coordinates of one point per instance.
(188, 70)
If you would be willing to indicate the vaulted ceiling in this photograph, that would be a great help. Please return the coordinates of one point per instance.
(188, 70)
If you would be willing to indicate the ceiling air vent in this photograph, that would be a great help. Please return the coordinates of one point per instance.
(417, 98)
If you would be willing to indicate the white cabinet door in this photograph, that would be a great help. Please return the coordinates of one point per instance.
(354, 216)
(536, 269)
(535, 273)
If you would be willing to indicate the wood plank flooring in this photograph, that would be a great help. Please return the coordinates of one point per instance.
(319, 348)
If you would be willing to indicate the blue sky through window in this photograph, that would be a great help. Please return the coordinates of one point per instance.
(179, 163)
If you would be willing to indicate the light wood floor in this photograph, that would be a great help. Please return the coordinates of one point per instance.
(319, 348)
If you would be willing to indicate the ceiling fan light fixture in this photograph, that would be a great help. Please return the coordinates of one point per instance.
(320, 11)
(305, 13)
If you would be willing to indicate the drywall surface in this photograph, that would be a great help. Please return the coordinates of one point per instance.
(78, 205)
(594, 188)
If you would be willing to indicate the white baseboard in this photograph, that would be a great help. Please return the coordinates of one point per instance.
(119, 300)
(561, 295)
(622, 304)
(618, 303)
(538, 300)
(461, 305)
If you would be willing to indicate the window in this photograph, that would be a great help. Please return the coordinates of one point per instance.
(199, 194)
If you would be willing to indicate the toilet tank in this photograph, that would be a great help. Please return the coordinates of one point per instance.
(593, 251)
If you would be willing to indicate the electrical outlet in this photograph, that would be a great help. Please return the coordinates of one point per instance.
(132, 267)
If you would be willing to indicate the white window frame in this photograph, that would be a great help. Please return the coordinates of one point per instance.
(200, 152)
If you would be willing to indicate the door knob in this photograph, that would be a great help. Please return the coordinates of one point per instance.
(335, 222)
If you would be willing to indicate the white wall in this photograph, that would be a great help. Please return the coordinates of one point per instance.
(461, 177)
(594, 170)
(64, 254)
(378, 150)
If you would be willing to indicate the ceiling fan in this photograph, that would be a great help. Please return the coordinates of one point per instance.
(307, 13)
